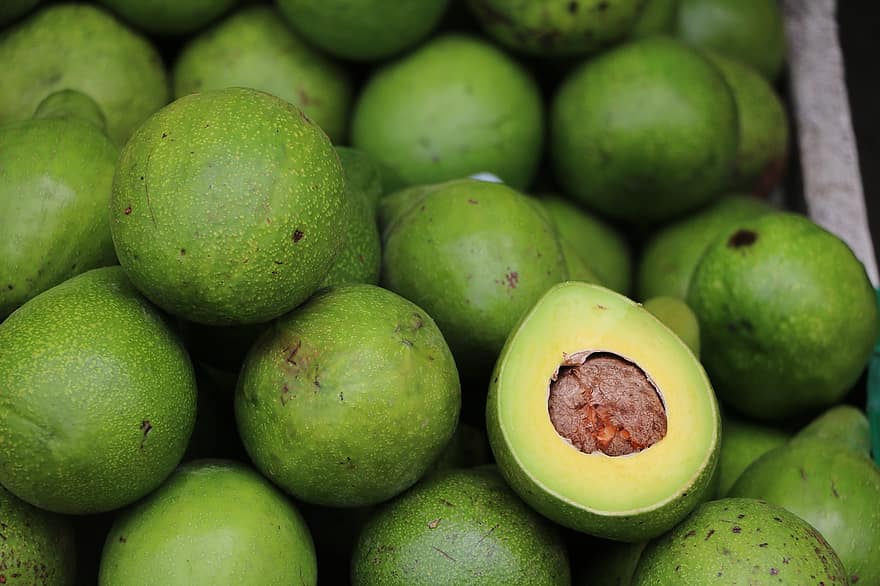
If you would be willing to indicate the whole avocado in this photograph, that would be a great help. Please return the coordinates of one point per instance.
(169, 17)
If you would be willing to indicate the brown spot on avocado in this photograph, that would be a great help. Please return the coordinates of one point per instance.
(512, 279)
(573, 7)
(146, 428)
(433, 524)
(297, 235)
(742, 238)
(127, 211)
(709, 534)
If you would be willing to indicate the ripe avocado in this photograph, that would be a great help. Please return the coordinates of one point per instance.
(254, 48)
(348, 400)
(455, 106)
(644, 132)
(459, 527)
(222, 218)
(743, 442)
(788, 317)
(57, 171)
(740, 541)
(211, 522)
(169, 17)
(633, 466)
(678, 317)
(81, 47)
(99, 396)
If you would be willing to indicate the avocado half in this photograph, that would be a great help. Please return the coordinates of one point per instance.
(600, 417)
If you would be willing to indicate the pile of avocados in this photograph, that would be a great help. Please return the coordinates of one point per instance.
(420, 292)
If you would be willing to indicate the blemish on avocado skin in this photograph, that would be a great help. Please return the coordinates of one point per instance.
(742, 238)
(146, 427)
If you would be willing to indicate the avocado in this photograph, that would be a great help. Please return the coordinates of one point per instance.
(363, 173)
(81, 47)
(670, 255)
(750, 31)
(468, 448)
(57, 171)
(476, 256)
(254, 48)
(212, 521)
(169, 17)
(743, 442)
(740, 541)
(788, 317)
(38, 547)
(554, 27)
(600, 417)
(349, 399)
(99, 396)
(455, 106)
(460, 527)
(656, 18)
(763, 128)
(678, 317)
(366, 30)
(644, 132)
(224, 218)
(843, 425)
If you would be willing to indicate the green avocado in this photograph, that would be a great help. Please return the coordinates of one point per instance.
(788, 317)
(455, 106)
(743, 442)
(363, 173)
(459, 527)
(211, 522)
(81, 47)
(363, 30)
(678, 317)
(644, 132)
(669, 257)
(169, 17)
(557, 27)
(228, 207)
(99, 396)
(56, 172)
(740, 541)
(843, 425)
(656, 18)
(38, 547)
(254, 48)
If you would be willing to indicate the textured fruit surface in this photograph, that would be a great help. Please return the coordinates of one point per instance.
(211, 522)
(81, 47)
(169, 17)
(363, 173)
(227, 207)
(631, 497)
(349, 399)
(460, 527)
(788, 317)
(743, 442)
(644, 132)
(98, 396)
(740, 541)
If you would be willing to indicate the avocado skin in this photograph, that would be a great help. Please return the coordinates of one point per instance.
(743, 442)
(169, 17)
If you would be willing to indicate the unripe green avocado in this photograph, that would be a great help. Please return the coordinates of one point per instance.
(743, 442)
(169, 17)
(678, 317)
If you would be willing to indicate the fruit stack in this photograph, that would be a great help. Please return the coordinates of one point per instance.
(419, 292)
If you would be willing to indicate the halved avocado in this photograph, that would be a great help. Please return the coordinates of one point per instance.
(640, 399)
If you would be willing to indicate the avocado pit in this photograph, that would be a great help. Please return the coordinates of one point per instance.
(600, 401)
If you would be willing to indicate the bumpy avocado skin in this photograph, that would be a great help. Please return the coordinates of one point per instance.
(363, 30)
(223, 217)
(254, 48)
(459, 527)
(740, 541)
(743, 442)
(55, 182)
(368, 383)
(455, 106)
(557, 27)
(38, 547)
(644, 132)
(99, 396)
(212, 521)
(169, 17)
(833, 489)
(82, 47)
(475, 256)
(670, 256)
(788, 317)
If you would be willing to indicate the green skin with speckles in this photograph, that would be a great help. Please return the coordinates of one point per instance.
(348, 400)
(55, 180)
(656, 18)
(254, 48)
(834, 489)
(454, 107)
(787, 315)
(362, 171)
(211, 522)
(476, 256)
(644, 132)
(743, 442)
(228, 207)
(169, 17)
(38, 547)
(460, 527)
(81, 47)
(740, 541)
(557, 27)
(670, 256)
(99, 396)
